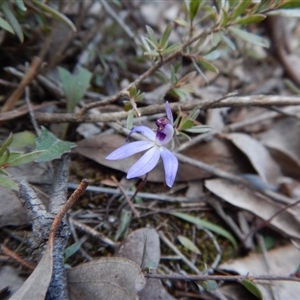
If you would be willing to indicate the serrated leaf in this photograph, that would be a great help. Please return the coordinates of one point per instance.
(7, 182)
(74, 86)
(207, 225)
(71, 250)
(5, 25)
(250, 19)
(26, 158)
(12, 20)
(252, 288)
(240, 9)
(165, 36)
(152, 35)
(188, 244)
(291, 13)
(198, 129)
(250, 37)
(207, 65)
(56, 14)
(194, 8)
(54, 147)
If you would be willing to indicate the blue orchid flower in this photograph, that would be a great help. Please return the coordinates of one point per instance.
(155, 146)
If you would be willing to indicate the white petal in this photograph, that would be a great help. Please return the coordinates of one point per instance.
(145, 131)
(170, 165)
(129, 149)
(145, 164)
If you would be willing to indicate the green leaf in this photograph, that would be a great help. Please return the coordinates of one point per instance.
(54, 146)
(179, 92)
(7, 182)
(290, 4)
(6, 143)
(130, 119)
(56, 14)
(26, 158)
(4, 157)
(252, 288)
(165, 36)
(139, 97)
(194, 8)
(132, 91)
(207, 65)
(213, 55)
(186, 124)
(228, 42)
(172, 48)
(291, 13)
(250, 19)
(74, 86)
(152, 36)
(71, 250)
(125, 220)
(207, 225)
(12, 20)
(198, 129)
(225, 18)
(188, 244)
(250, 37)
(181, 22)
(6, 26)
(23, 139)
(240, 9)
(20, 5)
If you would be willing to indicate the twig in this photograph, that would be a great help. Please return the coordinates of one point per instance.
(27, 79)
(176, 250)
(31, 113)
(227, 278)
(254, 100)
(145, 196)
(17, 258)
(135, 212)
(92, 232)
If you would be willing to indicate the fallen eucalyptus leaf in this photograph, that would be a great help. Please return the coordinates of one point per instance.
(114, 278)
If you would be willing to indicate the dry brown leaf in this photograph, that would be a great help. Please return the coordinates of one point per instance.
(258, 155)
(284, 144)
(241, 197)
(133, 247)
(282, 261)
(107, 278)
(36, 285)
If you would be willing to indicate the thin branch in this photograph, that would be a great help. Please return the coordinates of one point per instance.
(254, 100)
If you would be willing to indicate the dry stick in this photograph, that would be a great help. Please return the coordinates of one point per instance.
(235, 278)
(176, 250)
(27, 79)
(135, 212)
(267, 222)
(70, 202)
(253, 100)
(31, 113)
(17, 258)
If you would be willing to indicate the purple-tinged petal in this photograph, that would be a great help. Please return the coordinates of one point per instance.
(145, 164)
(129, 149)
(169, 112)
(165, 135)
(170, 165)
(145, 131)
